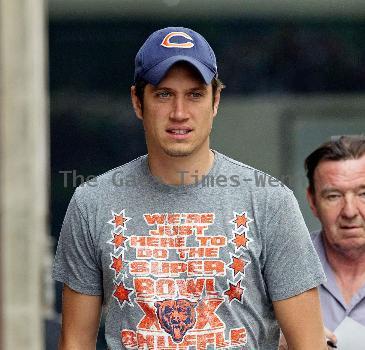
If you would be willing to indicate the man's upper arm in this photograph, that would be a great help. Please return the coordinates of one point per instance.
(301, 322)
(80, 320)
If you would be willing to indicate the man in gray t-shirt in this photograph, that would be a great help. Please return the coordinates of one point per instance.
(179, 247)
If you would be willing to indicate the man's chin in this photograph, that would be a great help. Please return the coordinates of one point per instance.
(352, 244)
(178, 152)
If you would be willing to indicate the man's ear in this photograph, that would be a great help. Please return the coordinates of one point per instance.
(216, 101)
(137, 105)
(312, 202)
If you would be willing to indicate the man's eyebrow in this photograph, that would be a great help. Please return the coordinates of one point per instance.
(335, 189)
(155, 88)
(202, 87)
(329, 189)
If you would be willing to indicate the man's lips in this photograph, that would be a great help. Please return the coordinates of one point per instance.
(350, 227)
(178, 129)
(353, 229)
(179, 132)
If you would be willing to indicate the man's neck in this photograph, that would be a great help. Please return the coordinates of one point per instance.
(349, 269)
(182, 170)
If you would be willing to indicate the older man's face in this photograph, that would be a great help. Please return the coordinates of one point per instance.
(339, 203)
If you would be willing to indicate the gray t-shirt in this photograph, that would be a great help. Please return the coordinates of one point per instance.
(187, 267)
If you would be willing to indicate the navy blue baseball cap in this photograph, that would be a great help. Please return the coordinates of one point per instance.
(167, 46)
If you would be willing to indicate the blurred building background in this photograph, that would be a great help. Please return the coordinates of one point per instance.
(294, 70)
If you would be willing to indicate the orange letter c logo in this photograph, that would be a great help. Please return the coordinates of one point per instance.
(167, 43)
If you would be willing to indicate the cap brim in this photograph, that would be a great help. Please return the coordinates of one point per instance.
(156, 73)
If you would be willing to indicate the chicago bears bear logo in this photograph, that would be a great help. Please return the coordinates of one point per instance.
(176, 317)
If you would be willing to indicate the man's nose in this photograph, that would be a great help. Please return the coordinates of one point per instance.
(350, 208)
(179, 111)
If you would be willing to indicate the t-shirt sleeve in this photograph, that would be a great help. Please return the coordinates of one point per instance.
(292, 265)
(75, 263)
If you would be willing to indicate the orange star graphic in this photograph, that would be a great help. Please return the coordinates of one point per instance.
(119, 220)
(118, 240)
(117, 264)
(121, 293)
(240, 240)
(241, 220)
(235, 291)
(238, 265)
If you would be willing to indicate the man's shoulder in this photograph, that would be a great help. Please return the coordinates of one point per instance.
(234, 164)
(252, 178)
(113, 180)
(316, 238)
(135, 167)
